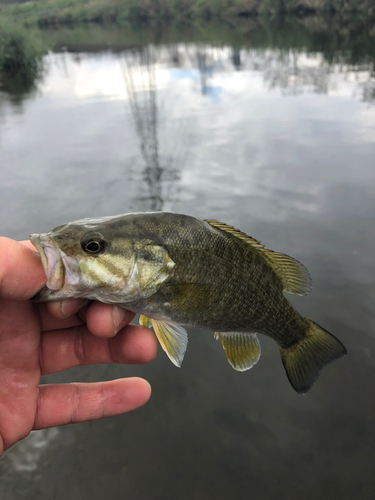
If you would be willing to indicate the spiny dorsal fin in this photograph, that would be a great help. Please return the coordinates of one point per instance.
(294, 276)
(173, 338)
(241, 349)
(236, 232)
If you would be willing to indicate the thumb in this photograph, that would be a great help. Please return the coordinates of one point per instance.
(21, 270)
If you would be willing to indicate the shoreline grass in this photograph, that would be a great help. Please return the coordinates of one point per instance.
(22, 47)
(64, 12)
(21, 50)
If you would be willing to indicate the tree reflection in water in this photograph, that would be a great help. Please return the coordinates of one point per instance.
(139, 72)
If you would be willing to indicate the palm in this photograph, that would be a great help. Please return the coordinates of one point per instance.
(20, 370)
(34, 342)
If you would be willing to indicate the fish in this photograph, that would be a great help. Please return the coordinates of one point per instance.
(177, 271)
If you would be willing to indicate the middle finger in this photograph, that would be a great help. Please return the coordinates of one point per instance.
(103, 320)
(63, 349)
(49, 322)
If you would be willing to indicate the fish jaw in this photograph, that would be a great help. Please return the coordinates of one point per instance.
(60, 269)
(51, 260)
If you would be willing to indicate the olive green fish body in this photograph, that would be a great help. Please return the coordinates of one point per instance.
(224, 284)
(177, 270)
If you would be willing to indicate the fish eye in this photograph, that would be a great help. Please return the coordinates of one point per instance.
(93, 244)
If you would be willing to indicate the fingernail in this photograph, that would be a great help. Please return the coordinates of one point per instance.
(70, 306)
(119, 318)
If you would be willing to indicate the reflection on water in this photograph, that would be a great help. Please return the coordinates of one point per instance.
(297, 73)
(26, 455)
(139, 71)
(19, 464)
(274, 138)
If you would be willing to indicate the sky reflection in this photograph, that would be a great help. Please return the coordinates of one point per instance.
(276, 142)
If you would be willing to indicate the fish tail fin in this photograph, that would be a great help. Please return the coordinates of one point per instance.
(304, 361)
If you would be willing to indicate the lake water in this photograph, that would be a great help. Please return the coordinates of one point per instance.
(271, 132)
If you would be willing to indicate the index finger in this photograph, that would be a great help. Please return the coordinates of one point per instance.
(28, 244)
(21, 271)
(60, 404)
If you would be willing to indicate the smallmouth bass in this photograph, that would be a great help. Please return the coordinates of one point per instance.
(176, 270)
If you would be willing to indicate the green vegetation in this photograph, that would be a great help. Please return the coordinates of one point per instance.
(351, 38)
(21, 54)
(51, 12)
(20, 50)
(354, 40)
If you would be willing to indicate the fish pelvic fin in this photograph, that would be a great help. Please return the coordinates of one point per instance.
(144, 321)
(241, 349)
(304, 361)
(295, 278)
(172, 338)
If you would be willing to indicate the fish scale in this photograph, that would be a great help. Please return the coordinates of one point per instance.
(176, 270)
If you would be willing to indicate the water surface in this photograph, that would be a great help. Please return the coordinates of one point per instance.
(276, 138)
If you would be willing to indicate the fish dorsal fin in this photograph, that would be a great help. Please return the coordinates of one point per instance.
(172, 338)
(235, 232)
(241, 349)
(294, 276)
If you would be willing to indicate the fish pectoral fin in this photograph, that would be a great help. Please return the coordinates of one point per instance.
(188, 294)
(294, 276)
(144, 321)
(242, 349)
(173, 339)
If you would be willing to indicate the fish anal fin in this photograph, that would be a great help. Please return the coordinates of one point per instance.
(172, 338)
(304, 361)
(241, 349)
(294, 276)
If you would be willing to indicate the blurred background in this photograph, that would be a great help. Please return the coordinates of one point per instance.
(259, 114)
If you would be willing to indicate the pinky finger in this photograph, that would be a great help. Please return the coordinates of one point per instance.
(60, 404)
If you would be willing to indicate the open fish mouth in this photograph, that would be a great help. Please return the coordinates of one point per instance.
(51, 260)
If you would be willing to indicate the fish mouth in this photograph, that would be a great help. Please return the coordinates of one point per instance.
(51, 260)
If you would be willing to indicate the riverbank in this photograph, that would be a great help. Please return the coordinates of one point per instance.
(55, 12)
(22, 48)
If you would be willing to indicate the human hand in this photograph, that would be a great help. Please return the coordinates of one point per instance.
(39, 339)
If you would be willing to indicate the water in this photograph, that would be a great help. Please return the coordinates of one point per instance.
(273, 135)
